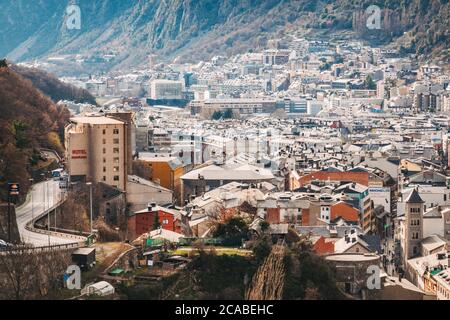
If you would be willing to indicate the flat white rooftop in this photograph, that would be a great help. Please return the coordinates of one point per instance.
(96, 120)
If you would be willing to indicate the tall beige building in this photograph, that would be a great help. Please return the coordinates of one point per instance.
(97, 149)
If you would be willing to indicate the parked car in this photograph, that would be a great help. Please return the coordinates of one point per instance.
(3, 245)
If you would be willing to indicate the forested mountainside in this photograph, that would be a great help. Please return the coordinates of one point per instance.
(52, 87)
(29, 120)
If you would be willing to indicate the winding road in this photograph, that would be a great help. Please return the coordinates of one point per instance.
(43, 196)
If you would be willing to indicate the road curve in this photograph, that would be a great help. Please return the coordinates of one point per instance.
(43, 195)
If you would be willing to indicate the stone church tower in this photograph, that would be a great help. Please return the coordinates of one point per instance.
(413, 224)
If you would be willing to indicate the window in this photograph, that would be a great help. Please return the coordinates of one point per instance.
(116, 160)
(104, 178)
(116, 178)
(116, 169)
(104, 131)
(104, 150)
(445, 197)
(104, 160)
(104, 141)
(116, 131)
(104, 169)
(116, 141)
(116, 150)
(165, 221)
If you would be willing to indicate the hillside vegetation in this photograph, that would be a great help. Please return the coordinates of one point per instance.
(52, 87)
(28, 121)
(228, 277)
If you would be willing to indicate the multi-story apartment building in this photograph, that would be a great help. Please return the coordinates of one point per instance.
(240, 106)
(97, 150)
(166, 89)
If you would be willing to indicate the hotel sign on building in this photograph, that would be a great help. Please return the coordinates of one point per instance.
(79, 154)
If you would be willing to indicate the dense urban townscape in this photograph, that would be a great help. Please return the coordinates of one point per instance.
(316, 167)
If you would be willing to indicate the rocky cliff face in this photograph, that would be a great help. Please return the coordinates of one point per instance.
(195, 29)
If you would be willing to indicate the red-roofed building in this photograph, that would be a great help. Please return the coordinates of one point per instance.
(361, 177)
(322, 246)
(345, 211)
(143, 221)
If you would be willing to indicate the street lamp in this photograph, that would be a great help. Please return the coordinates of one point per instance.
(126, 215)
(32, 201)
(90, 201)
(46, 196)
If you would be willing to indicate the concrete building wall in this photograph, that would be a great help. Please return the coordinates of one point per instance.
(139, 196)
(446, 217)
(433, 226)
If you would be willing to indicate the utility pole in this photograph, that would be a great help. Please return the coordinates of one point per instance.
(13, 190)
(9, 218)
(125, 214)
(90, 203)
(46, 207)
(48, 212)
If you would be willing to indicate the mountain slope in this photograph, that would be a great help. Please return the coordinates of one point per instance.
(52, 87)
(28, 121)
(195, 29)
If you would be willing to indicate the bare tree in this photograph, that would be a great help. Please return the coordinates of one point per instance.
(16, 274)
(268, 281)
(25, 274)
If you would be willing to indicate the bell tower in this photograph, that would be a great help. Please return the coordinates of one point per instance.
(413, 224)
